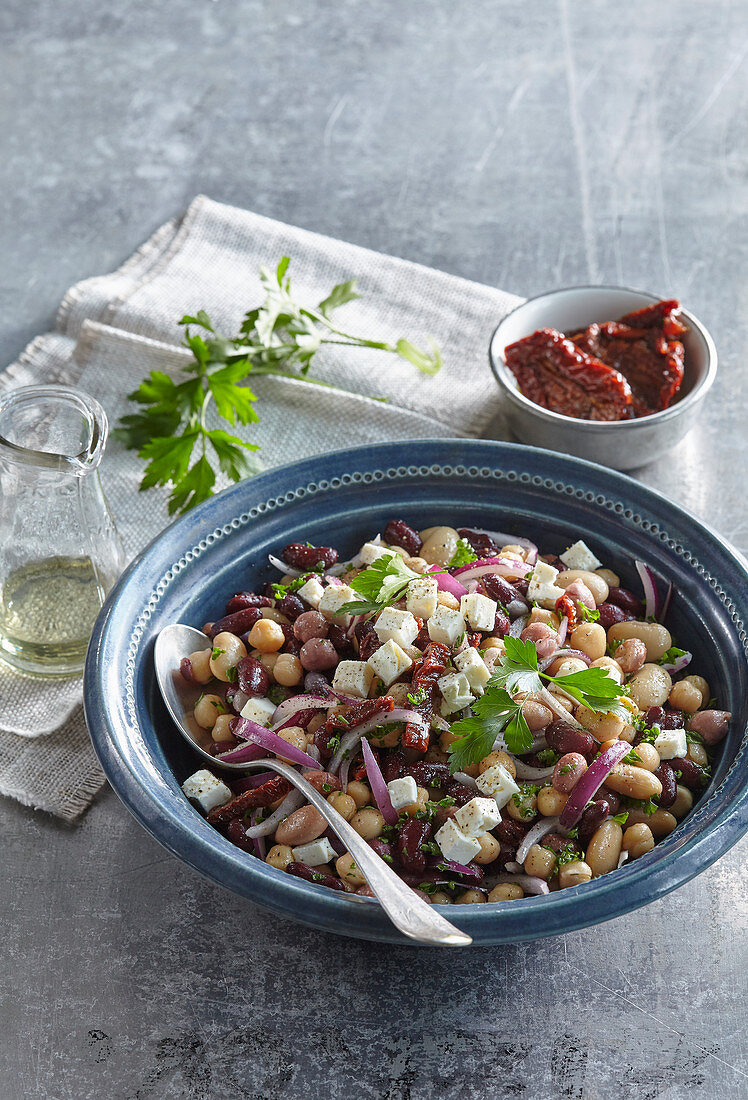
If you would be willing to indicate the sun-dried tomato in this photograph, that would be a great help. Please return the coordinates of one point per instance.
(358, 714)
(554, 373)
(565, 605)
(426, 672)
(263, 795)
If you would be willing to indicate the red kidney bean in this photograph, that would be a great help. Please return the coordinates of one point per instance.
(252, 677)
(399, 533)
(238, 623)
(321, 742)
(567, 771)
(243, 600)
(691, 775)
(312, 624)
(564, 738)
(365, 891)
(392, 764)
(501, 625)
(293, 647)
(499, 589)
(318, 653)
(302, 557)
(712, 725)
(459, 792)
(666, 776)
(339, 638)
(522, 586)
(668, 719)
(610, 613)
(316, 684)
(320, 878)
(236, 833)
(412, 834)
(592, 818)
(578, 592)
(511, 834)
(626, 600)
(556, 842)
(427, 774)
(368, 640)
(384, 850)
(291, 606)
(185, 669)
(483, 545)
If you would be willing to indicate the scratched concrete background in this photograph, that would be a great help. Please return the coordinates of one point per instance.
(526, 145)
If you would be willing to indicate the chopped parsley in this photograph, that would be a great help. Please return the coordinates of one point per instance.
(547, 757)
(417, 698)
(632, 758)
(216, 653)
(232, 674)
(622, 818)
(382, 583)
(587, 614)
(670, 656)
(463, 555)
(281, 590)
(277, 694)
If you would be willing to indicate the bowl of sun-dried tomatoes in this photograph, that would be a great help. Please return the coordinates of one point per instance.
(614, 375)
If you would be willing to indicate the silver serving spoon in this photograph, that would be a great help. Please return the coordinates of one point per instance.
(413, 916)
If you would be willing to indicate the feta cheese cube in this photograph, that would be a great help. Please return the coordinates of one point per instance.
(389, 662)
(353, 678)
(579, 556)
(420, 598)
(670, 743)
(498, 784)
(312, 591)
(403, 792)
(478, 816)
(207, 790)
(454, 844)
(541, 588)
(400, 626)
(333, 598)
(480, 611)
(370, 551)
(446, 626)
(475, 668)
(315, 853)
(455, 689)
(259, 711)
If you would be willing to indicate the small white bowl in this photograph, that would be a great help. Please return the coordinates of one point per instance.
(622, 444)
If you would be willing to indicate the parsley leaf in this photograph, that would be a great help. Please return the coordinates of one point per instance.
(495, 714)
(586, 614)
(670, 656)
(518, 667)
(621, 818)
(463, 555)
(382, 583)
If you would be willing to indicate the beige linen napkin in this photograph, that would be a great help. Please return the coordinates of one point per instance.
(113, 329)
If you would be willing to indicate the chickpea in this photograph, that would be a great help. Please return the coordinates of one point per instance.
(611, 579)
(349, 873)
(470, 897)
(506, 891)
(660, 823)
(227, 651)
(498, 757)
(603, 727)
(650, 686)
(271, 613)
(207, 709)
(200, 661)
(446, 599)
(524, 805)
(221, 730)
(685, 696)
(551, 802)
(683, 802)
(359, 792)
(440, 898)
(422, 797)
(440, 545)
(638, 840)
(572, 874)
(656, 637)
(594, 582)
(280, 855)
(540, 862)
(567, 666)
(701, 685)
(368, 822)
(633, 782)
(604, 849)
(489, 849)
(591, 639)
(543, 615)
(344, 803)
(631, 655)
(698, 754)
(649, 758)
(288, 670)
(268, 662)
(295, 736)
(536, 714)
(612, 668)
(266, 636)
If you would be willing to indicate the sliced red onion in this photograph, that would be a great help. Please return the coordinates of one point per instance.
(448, 583)
(249, 782)
(512, 867)
(651, 599)
(518, 626)
(544, 696)
(237, 699)
(485, 566)
(531, 884)
(564, 652)
(440, 723)
(449, 866)
(378, 785)
(466, 780)
(536, 834)
(666, 602)
(344, 754)
(289, 570)
(679, 663)
(345, 768)
(525, 771)
(338, 569)
(333, 581)
(301, 718)
(563, 629)
(622, 859)
(291, 802)
(259, 735)
(258, 842)
(590, 782)
(354, 736)
(243, 753)
(516, 608)
(292, 706)
(503, 539)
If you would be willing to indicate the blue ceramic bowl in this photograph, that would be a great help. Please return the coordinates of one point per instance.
(187, 573)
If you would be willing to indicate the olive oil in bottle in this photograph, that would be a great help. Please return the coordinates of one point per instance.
(47, 612)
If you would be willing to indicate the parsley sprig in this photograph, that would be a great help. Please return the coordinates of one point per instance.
(496, 713)
(463, 555)
(382, 583)
(279, 337)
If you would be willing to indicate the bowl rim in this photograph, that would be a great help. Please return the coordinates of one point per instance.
(505, 378)
(182, 830)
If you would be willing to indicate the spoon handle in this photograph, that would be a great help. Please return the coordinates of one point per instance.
(411, 914)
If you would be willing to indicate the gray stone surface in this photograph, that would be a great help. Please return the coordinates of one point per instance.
(530, 146)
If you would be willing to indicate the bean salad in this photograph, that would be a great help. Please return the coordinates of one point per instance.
(494, 721)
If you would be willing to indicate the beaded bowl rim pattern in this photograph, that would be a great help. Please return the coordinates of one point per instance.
(119, 727)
